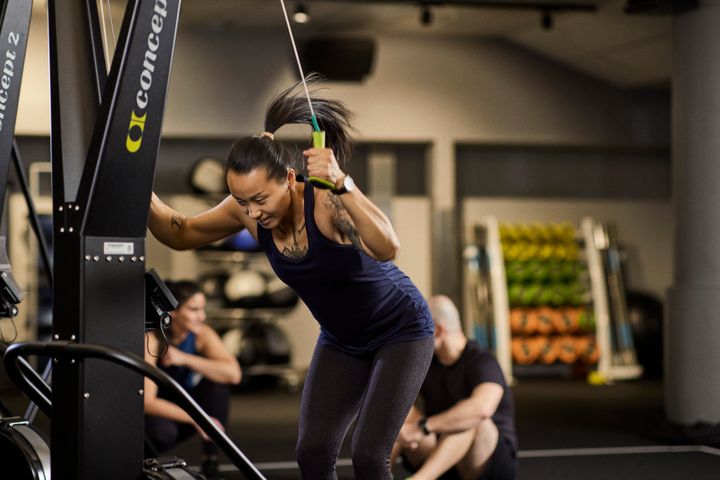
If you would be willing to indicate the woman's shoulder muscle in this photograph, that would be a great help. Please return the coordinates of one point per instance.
(206, 336)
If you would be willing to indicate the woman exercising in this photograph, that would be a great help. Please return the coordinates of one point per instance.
(195, 358)
(334, 248)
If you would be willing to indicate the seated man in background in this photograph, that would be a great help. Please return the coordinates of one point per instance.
(195, 358)
(467, 430)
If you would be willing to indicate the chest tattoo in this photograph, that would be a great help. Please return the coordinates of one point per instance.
(295, 250)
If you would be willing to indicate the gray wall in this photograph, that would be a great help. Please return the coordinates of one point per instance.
(441, 92)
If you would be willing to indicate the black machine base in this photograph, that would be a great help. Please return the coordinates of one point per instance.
(169, 468)
(24, 450)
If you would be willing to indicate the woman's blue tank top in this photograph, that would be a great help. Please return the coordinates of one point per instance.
(360, 303)
(184, 376)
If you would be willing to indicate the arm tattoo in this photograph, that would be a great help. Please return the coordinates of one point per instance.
(341, 219)
(177, 221)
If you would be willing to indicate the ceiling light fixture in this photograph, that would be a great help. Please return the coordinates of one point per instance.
(426, 16)
(546, 20)
(301, 14)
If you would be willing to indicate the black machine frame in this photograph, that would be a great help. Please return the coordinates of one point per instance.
(105, 137)
(14, 27)
(37, 389)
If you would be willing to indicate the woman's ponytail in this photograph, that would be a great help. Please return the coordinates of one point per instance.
(291, 107)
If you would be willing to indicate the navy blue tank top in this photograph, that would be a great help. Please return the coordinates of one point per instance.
(184, 376)
(360, 303)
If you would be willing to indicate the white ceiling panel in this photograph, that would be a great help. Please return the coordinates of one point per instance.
(626, 50)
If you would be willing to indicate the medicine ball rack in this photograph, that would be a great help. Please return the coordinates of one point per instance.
(234, 322)
(488, 300)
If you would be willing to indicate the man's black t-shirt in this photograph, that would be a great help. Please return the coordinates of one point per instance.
(444, 386)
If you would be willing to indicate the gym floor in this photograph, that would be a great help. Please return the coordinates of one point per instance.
(567, 430)
(556, 421)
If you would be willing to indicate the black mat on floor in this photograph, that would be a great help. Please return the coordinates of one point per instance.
(695, 466)
(551, 414)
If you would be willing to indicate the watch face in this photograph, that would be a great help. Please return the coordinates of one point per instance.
(348, 183)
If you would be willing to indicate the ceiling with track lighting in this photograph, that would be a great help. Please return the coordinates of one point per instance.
(628, 51)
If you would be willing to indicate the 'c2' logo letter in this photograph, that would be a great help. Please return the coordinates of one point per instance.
(135, 132)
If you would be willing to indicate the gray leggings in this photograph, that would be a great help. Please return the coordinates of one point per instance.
(378, 391)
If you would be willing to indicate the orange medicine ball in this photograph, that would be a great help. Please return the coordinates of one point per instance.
(549, 350)
(525, 350)
(567, 321)
(522, 321)
(544, 323)
(567, 352)
(587, 349)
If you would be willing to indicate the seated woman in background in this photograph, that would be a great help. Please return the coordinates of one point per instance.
(196, 358)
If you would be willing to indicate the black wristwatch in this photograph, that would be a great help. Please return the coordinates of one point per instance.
(422, 425)
(348, 185)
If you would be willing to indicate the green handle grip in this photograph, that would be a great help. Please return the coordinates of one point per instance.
(321, 183)
(318, 140)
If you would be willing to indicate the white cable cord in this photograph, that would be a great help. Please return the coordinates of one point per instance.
(112, 24)
(106, 45)
(297, 57)
(104, 32)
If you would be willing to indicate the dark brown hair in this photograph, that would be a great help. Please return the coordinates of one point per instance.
(182, 290)
(291, 107)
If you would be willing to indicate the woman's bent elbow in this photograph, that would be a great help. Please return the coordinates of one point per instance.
(236, 376)
(391, 253)
(168, 242)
